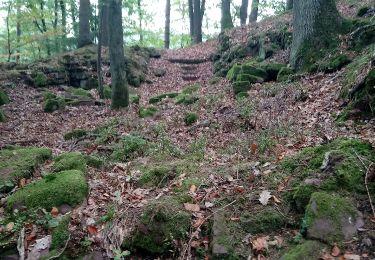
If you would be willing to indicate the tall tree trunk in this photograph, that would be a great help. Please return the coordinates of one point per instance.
(84, 23)
(243, 11)
(104, 23)
(120, 93)
(8, 31)
(140, 15)
(167, 32)
(199, 8)
(253, 17)
(18, 31)
(99, 58)
(226, 18)
(289, 4)
(63, 24)
(191, 19)
(44, 27)
(73, 13)
(316, 24)
(55, 22)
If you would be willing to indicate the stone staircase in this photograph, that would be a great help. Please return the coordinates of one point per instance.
(189, 68)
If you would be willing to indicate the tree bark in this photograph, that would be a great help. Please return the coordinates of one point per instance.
(243, 11)
(99, 58)
(253, 17)
(73, 13)
(8, 31)
(191, 19)
(84, 23)
(167, 32)
(316, 24)
(139, 6)
(120, 93)
(104, 23)
(289, 4)
(18, 31)
(226, 18)
(63, 24)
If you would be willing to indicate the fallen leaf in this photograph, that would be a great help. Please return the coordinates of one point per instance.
(193, 188)
(9, 227)
(198, 222)
(22, 182)
(55, 212)
(264, 197)
(239, 189)
(208, 204)
(192, 207)
(335, 251)
(195, 243)
(260, 244)
(352, 257)
(253, 149)
(92, 230)
(276, 199)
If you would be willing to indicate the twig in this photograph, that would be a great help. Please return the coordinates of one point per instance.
(62, 251)
(21, 244)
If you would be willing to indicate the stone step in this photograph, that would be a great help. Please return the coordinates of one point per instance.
(190, 77)
(188, 67)
(187, 61)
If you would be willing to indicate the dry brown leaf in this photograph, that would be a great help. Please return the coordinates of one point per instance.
(193, 188)
(92, 230)
(55, 212)
(22, 182)
(260, 245)
(335, 251)
(276, 199)
(253, 149)
(9, 227)
(192, 207)
(198, 222)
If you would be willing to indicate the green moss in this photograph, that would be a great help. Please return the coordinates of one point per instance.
(310, 249)
(75, 134)
(80, 92)
(362, 11)
(134, 99)
(363, 36)
(191, 118)
(186, 99)
(39, 79)
(214, 81)
(157, 176)
(4, 99)
(233, 72)
(147, 111)
(107, 91)
(2, 116)
(242, 95)
(70, 161)
(165, 222)
(284, 74)
(250, 78)
(262, 221)
(191, 89)
(51, 105)
(272, 70)
(129, 147)
(48, 95)
(157, 99)
(252, 70)
(241, 86)
(68, 187)
(18, 163)
(61, 233)
(337, 63)
(94, 161)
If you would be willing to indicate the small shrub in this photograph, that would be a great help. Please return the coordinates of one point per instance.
(4, 99)
(129, 148)
(191, 89)
(2, 117)
(75, 134)
(80, 92)
(147, 112)
(107, 91)
(39, 79)
(134, 99)
(191, 118)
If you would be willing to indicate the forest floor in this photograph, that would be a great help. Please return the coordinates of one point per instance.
(276, 122)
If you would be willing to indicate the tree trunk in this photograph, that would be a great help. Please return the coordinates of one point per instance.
(55, 22)
(316, 24)
(243, 11)
(226, 18)
(253, 17)
(120, 93)
(84, 23)
(197, 22)
(73, 13)
(104, 23)
(44, 27)
(289, 4)
(191, 19)
(18, 31)
(99, 58)
(63, 24)
(167, 32)
(8, 31)
(139, 6)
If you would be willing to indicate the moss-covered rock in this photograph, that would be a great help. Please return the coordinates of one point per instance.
(134, 99)
(191, 118)
(17, 163)
(56, 189)
(53, 104)
(80, 92)
(94, 161)
(163, 221)
(272, 70)
(2, 116)
(252, 70)
(233, 72)
(337, 63)
(331, 218)
(157, 176)
(39, 79)
(147, 111)
(75, 134)
(186, 99)
(250, 78)
(61, 233)
(107, 91)
(48, 95)
(284, 74)
(241, 87)
(309, 249)
(330, 167)
(70, 161)
(262, 221)
(157, 99)
(129, 147)
(4, 99)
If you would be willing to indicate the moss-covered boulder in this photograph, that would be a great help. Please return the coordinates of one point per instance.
(163, 221)
(331, 218)
(17, 163)
(80, 92)
(284, 74)
(272, 70)
(330, 167)
(39, 79)
(253, 70)
(191, 118)
(75, 134)
(147, 111)
(129, 147)
(60, 234)
(4, 99)
(233, 72)
(53, 104)
(241, 87)
(2, 116)
(70, 161)
(186, 99)
(309, 249)
(250, 78)
(56, 189)
(158, 98)
(263, 221)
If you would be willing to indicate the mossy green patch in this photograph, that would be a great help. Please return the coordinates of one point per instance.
(157, 99)
(362, 11)
(147, 111)
(17, 163)
(134, 99)
(191, 118)
(186, 99)
(2, 116)
(80, 92)
(94, 161)
(165, 221)
(48, 95)
(128, 148)
(214, 81)
(191, 89)
(75, 134)
(364, 99)
(272, 70)
(336, 63)
(157, 176)
(51, 105)
(4, 99)
(39, 79)
(241, 86)
(284, 74)
(107, 91)
(61, 233)
(70, 161)
(263, 221)
(233, 72)
(252, 70)
(310, 249)
(67, 187)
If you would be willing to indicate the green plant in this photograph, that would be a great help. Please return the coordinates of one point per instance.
(75, 134)
(39, 79)
(197, 149)
(163, 146)
(106, 133)
(190, 118)
(119, 254)
(129, 148)
(245, 107)
(147, 111)
(4, 99)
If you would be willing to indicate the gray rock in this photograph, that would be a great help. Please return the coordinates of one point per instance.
(159, 72)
